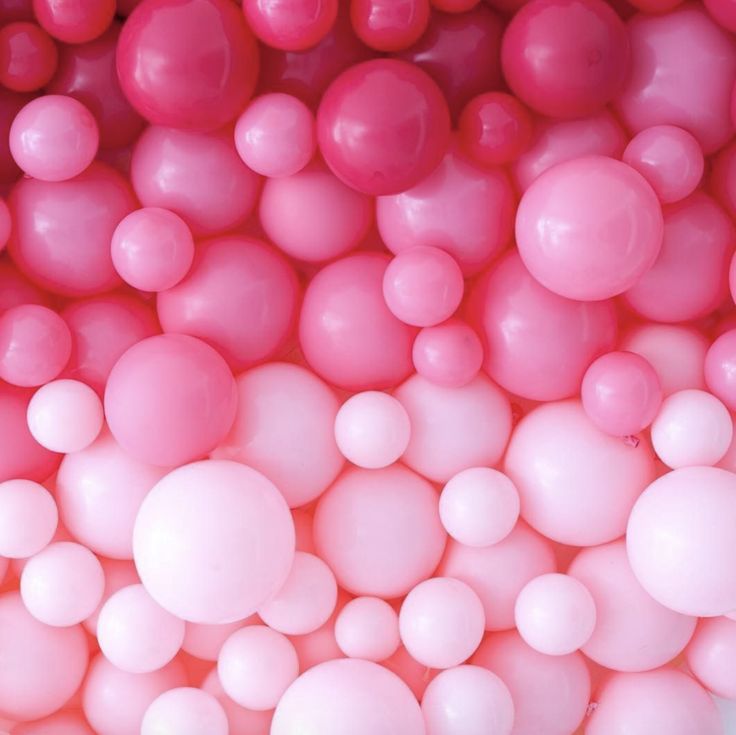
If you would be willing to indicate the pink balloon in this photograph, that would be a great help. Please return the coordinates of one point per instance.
(709, 655)
(348, 695)
(436, 212)
(719, 374)
(118, 574)
(664, 700)
(213, 541)
(293, 27)
(28, 57)
(379, 530)
(185, 709)
(68, 722)
(367, 628)
(77, 23)
(588, 229)
(387, 25)
(204, 641)
(28, 518)
(723, 12)
(239, 719)
(16, 288)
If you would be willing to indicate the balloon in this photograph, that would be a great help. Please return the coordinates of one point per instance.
(719, 375)
(367, 628)
(119, 573)
(28, 518)
(388, 25)
(81, 21)
(293, 27)
(28, 57)
(185, 710)
(204, 641)
(239, 718)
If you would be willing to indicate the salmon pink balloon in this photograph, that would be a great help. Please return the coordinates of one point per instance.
(186, 709)
(291, 26)
(449, 354)
(28, 518)
(76, 22)
(28, 57)
(389, 25)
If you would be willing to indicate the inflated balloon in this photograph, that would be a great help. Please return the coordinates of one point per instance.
(449, 354)
(388, 25)
(76, 22)
(182, 709)
(293, 26)
(28, 518)
(28, 57)
(719, 374)
(368, 628)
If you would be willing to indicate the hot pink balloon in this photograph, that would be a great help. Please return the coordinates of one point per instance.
(719, 368)
(387, 25)
(293, 27)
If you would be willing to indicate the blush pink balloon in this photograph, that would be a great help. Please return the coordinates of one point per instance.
(621, 393)
(453, 429)
(367, 628)
(204, 641)
(28, 518)
(118, 574)
(379, 530)
(348, 695)
(696, 506)
(239, 718)
(170, 399)
(588, 229)
(185, 709)
(720, 361)
(293, 27)
(710, 653)
(347, 333)
(387, 25)
(232, 276)
(539, 345)
(436, 212)
(69, 722)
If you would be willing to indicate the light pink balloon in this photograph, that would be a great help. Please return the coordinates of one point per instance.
(449, 354)
(720, 364)
(119, 573)
(379, 530)
(453, 429)
(284, 428)
(367, 628)
(562, 466)
(256, 666)
(550, 693)
(28, 518)
(239, 718)
(467, 700)
(664, 700)
(497, 573)
(185, 710)
(69, 722)
(633, 632)
(348, 695)
(204, 641)
(696, 506)
(710, 655)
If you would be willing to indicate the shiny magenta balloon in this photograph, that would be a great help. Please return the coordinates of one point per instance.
(389, 25)
(77, 22)
(294, 25)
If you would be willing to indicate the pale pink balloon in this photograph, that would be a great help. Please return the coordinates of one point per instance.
(633, 632)
(467, 700)
(213, 541)
(550, 693)
(720, 368)
(99, 491)
(28, 518)
(621, 393)
(561, 465)
(54, 138)
(461, 208)
(114, 701)
(170, 399)
(119, 573)
(669, 158)
(256, 666)
(239, 718)
(69, 722)
(276, 135)
(479, 506)
(664, 700)
(292, 213)
(42, 665)
(449, 354)
(453, 429)
(65, 416)
(135, 633)
(538, 344)
(689, 277)
(379, 530)
(710, 655)
(198, 176)
(692, 428)
(284, 428)
(204, 641)
(497, 573)
(63, 584)
(348, 696)
(187, 711)
(696, 506)
(372, 429)
(683, 68)
(319, 646)
(305, 601)
(441, 622)
(587, 229)
(368, 628)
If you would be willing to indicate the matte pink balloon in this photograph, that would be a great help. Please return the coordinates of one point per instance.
(379, 530)
(467, 700)
(435, 213)
(198, 176)
(453, 429)
(293, 27)
(561, 465)
(256, 665)
(239, 718)
(588, 229)
(664, 700)
(719, 368)
(28, 518)
(230, 277)
(696, 506)
(565, 58)
(347, 333)
(621, 393)
(387, 25)
(292, 211)
(550, 693)
(539, 345)
(170, 399)
(204, 641)
(276, 135)
(42, 666)
(118, 574)
(62, 230)
(683, 68)
(709, 655)
(185, 710)
(69, 722)
(213, 541)
(367, 628)
(284, 428)
(348, 695)
(449, 354)
(383, 126)
(54, 138)
(497, 573)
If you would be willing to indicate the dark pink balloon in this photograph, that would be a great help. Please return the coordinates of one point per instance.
(389, 25)
(448, 354)
(294, 25)
(723, 12)
(74, 22)
(10, 105)
(28, 57)
(16, 289)
(13, 10)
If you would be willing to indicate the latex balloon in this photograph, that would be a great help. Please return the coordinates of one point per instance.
(75, 23)
(387, 25)
(367, 628)
(28, 518)
(449, 354)
(719, 376)
(185, 709)
(28, 57)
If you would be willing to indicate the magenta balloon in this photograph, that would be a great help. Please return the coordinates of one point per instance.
(539, 344)
(292, 26)
(723, 12)
(170, 399)
(387, 25)
(720, 368)
(383, 126)
(683, 68)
